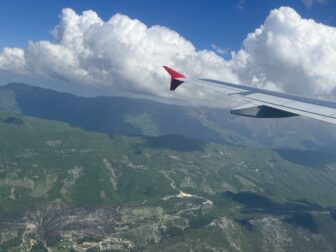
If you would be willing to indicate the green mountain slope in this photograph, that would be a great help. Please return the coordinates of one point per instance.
(125, 116)
(65, 189)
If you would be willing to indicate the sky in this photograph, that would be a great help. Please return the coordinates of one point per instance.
(118, 47)
(204, 22)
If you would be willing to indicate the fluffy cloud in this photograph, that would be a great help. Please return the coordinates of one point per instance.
(123, 56)
(12, 60)
(290, 53)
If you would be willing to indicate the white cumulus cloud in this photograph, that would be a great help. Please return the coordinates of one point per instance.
(122, 56)
(290, 53)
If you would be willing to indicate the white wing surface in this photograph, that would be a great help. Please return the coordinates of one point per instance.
(263, 103)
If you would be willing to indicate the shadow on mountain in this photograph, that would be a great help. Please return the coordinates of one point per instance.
(175, 143)
(333, 214)
(296, 211)
(257, 203)
(245, 223)
(13, 120)
(313, 159)
(304, 220)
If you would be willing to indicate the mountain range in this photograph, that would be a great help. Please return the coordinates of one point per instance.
(122, 174)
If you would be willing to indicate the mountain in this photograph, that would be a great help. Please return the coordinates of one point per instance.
(125, 116)
(121, 174)
(65, 189)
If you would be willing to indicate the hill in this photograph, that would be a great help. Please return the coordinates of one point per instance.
(125, 116)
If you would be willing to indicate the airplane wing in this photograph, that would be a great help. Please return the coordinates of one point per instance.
(263, 103)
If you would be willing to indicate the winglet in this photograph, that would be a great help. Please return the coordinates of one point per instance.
(175, 78)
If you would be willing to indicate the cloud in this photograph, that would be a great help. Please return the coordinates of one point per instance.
(290, 53)
(241, 5)
(219, 50)
(12, 60)
(309, 3)
(122, 56)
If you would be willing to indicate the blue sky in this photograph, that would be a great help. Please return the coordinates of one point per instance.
(203, 22)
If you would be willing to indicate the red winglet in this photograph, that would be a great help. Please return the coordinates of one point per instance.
(174, 76)
(173, 73)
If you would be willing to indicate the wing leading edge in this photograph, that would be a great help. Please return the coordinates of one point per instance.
(263, 103)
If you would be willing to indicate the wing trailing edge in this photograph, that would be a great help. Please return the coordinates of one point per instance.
(260, 111)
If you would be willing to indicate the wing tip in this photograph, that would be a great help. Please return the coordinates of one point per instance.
(175, 78)
(173, 74)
